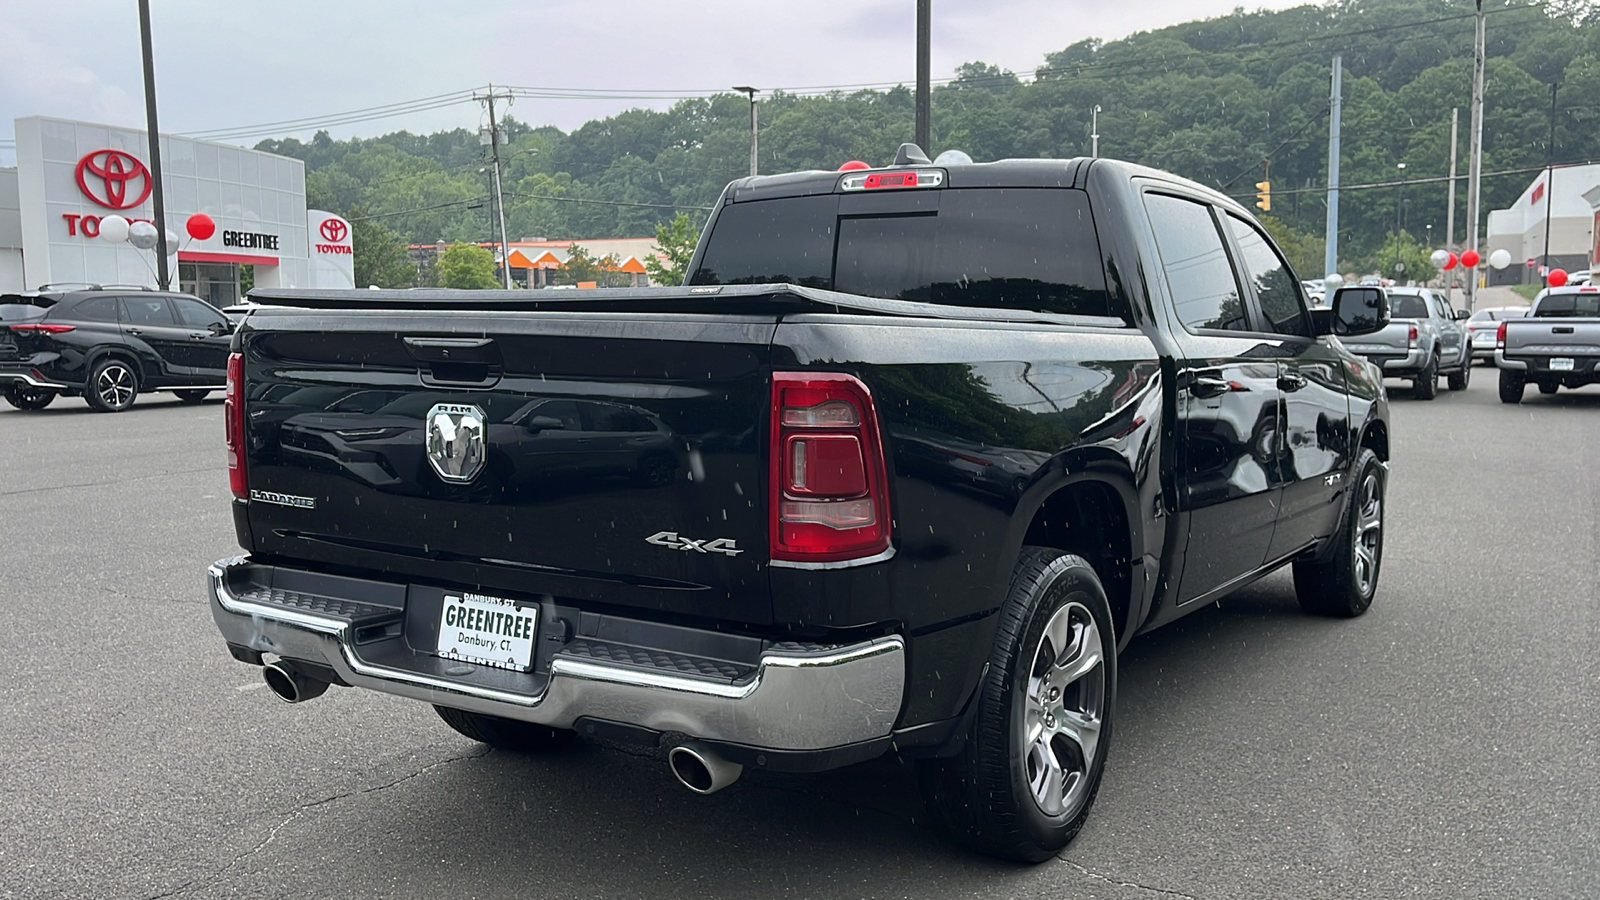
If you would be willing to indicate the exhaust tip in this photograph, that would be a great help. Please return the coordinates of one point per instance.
(701, 769)
(290, 684)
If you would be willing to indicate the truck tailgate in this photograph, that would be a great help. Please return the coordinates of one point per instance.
(601, 455)
(1540, 338)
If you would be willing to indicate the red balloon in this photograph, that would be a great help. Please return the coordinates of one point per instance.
(1557, 277)
(1470, 259)
(200, 226)
(852, 165)
(1450, 263)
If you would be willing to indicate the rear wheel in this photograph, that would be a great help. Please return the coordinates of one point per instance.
(1460, 380)
(30, 398)
(1426, 385)
(112, 386)
(1025, 780)
(1344, 584)
(504, 734)
(1511, 386)
(191, 396)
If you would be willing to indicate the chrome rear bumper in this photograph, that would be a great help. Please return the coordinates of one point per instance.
(796, 698)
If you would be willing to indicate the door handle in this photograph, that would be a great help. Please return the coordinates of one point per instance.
(1205, 387)
(1291, 382)
(135, 332)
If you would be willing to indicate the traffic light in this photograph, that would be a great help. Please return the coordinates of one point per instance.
(1264, 196)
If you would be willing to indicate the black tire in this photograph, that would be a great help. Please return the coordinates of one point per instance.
(29, 398)
(192, 396)
(112, 386)
(505, 734)
(1344, 583)
(1512, 385)
(1460, 380)
(1548, 387)
(1426, 385)
(999, 795)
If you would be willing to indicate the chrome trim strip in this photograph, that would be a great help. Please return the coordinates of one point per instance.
(797, 699)
(197, 387)
(885, 556)
(30, 381)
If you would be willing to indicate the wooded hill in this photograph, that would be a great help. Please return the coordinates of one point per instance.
(1209, 100)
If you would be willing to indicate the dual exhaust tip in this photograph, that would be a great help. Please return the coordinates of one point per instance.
(696, 766)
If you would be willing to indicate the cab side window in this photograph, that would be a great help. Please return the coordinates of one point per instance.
(1199, 275)
(96, 309)
(146, 311)
(199, 315)
(1277, 290)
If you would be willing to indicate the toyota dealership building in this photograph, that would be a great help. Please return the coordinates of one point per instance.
(70, 175)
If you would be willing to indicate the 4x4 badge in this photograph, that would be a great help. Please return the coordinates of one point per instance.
(670, 540)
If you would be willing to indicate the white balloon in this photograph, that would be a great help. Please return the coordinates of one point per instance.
(1333, 279)
(142, 235)
(114, 229)
(172, 242)
(1498, 259)
(1439, 258)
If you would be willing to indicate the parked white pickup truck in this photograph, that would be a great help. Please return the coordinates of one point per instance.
(1557, 345)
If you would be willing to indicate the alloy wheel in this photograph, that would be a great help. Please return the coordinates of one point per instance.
(1064, 710)
(1368, 543)
(115, 386)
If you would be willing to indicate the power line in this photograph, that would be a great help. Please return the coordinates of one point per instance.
(521, 196)
(1434, 179)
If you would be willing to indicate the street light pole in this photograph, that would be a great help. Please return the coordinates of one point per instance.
(1399, 203)
(1549, 182)
(924, 39)
(1094, 131)
(751, 92)
(163, 278)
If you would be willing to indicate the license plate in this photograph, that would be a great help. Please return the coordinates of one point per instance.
(489, 631)
(1561, 364)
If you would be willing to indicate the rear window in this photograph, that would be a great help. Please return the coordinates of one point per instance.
(16, 312)
(1407, 306)
(1007, 248)
(1558, 306)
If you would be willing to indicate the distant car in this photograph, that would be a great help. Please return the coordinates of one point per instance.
(1371, 280)
(108, 345)
(1481, 329)
(1316, 291)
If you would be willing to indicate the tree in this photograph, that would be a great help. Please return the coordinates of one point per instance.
(581, 266)
(380, 257)
(466, 266)
(1305, 252)
(675, 240)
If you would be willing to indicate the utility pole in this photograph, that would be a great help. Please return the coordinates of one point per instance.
(1549, 182)
(752, 92)
(499, 196)
(1399, 220)
(1094, 131)
(1330, 259)
(1450, 206)
(924, 33)
(1475, 158)
(163, 278)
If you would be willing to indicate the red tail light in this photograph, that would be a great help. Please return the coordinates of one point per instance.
(1500, 336)
(46, 327)
(1411, 335)
(233, 426)
(830, 487)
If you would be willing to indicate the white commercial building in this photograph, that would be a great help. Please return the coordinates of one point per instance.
(228, 207)
(1557, 197)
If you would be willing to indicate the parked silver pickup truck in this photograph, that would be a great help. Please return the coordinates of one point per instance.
(1557, 345)
(1425, 336)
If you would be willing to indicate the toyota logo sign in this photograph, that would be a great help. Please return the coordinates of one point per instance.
(114, 179)
(334, 230)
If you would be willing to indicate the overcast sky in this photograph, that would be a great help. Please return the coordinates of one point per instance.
(226, 64)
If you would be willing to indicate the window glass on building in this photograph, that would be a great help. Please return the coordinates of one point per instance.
(1277, 290)
(1198, 272)
(147, 311)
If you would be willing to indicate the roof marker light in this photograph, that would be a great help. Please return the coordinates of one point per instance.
(900, 178)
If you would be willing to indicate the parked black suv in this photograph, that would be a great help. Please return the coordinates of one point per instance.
(108, 344)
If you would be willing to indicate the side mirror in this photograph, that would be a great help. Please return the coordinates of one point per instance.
(1462, 315)
(1359, 309)
(544, 423)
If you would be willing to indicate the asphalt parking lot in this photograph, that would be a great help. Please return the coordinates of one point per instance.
(1445, 745)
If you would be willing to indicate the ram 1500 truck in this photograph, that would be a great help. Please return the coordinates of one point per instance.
(909, 459)
(1557, 345)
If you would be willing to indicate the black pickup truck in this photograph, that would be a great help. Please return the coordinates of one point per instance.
(912, 456)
